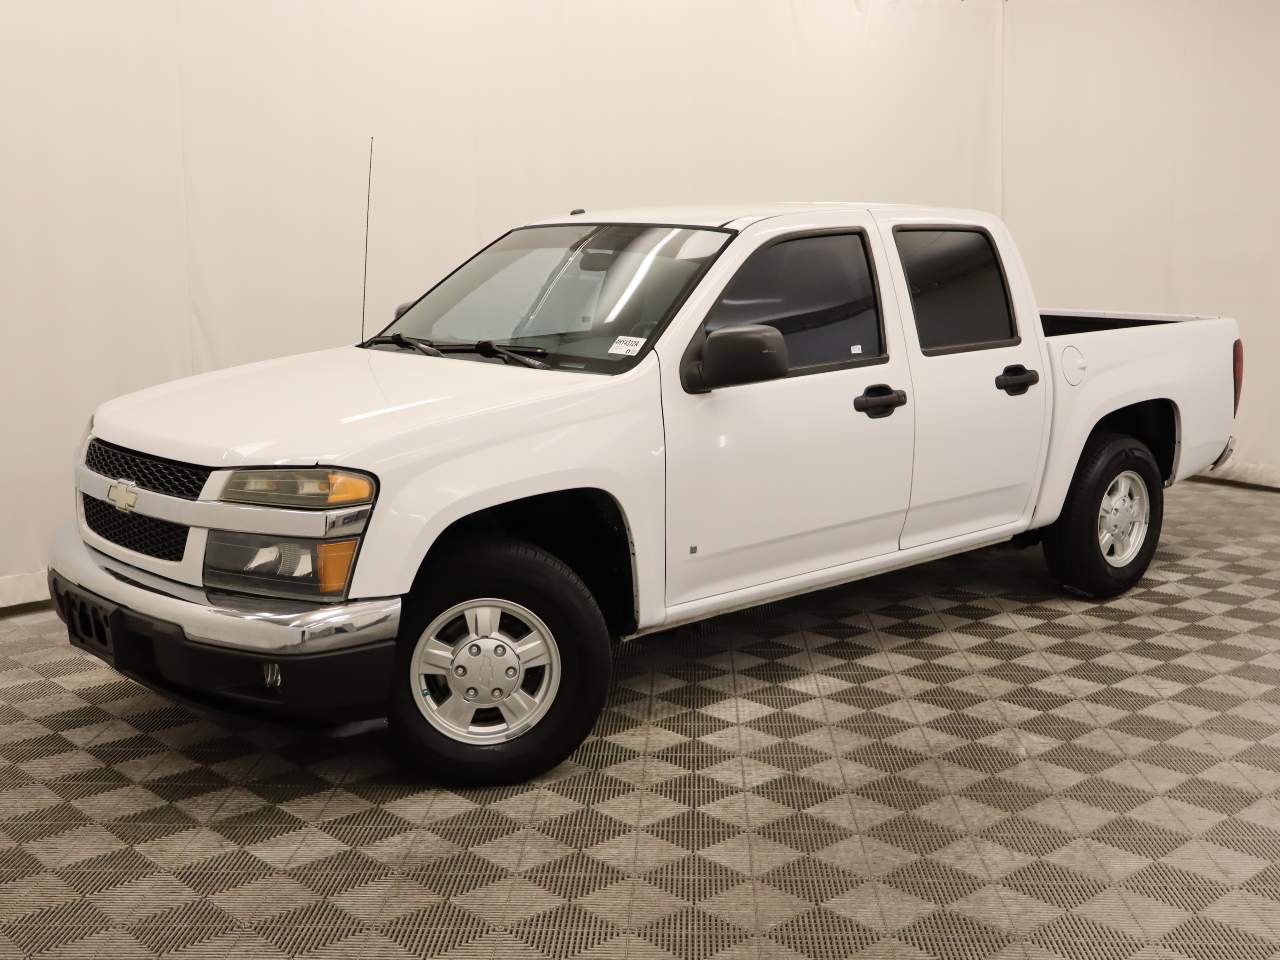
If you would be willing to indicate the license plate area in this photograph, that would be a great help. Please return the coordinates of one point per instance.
(89, 620)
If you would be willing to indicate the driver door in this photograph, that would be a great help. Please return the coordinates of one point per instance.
(781, 478)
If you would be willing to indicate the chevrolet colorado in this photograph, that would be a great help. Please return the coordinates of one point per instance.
(605, 425)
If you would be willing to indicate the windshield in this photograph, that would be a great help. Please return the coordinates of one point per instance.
(591, 295)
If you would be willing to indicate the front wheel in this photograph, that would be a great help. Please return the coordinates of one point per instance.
(503, 666)
(1104, 540)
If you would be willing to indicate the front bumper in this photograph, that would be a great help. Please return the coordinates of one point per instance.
(322, 662)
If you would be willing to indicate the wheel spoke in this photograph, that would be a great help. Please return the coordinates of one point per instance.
(1106, 542)
(434, 656)
(463, 682)
(457, 711)
(532, 651)
(482, 621)
(517, 706)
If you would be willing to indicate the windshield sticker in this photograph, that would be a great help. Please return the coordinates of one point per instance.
(856, 348)
(627, 346)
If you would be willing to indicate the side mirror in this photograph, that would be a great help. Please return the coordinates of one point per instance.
(733, 355)
(403, 308)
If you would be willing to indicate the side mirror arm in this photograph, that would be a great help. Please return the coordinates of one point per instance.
(692, 377)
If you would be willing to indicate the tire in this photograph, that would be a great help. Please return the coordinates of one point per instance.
(504, 741)
(1073, 544)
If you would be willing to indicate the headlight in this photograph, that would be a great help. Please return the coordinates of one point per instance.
(274, 566)
(312, 488)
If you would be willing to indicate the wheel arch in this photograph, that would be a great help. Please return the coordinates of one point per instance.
(584, 527)
(1156, 421)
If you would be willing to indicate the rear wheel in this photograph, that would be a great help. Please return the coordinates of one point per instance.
(502, 668)
(1104, 540)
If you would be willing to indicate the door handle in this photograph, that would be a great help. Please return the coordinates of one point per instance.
(879, 400)
(1015, 380)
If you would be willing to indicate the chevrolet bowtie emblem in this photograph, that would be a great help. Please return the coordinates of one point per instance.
(123, 494)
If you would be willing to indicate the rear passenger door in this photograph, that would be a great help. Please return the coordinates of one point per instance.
(772, 480)
(980, 381)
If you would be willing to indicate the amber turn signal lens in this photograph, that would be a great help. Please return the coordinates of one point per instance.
(306, 488)
(333, 564)
(349, 488)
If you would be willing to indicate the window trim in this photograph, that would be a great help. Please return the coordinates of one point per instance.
(1013, 341)
(625, 364)
(693, 351)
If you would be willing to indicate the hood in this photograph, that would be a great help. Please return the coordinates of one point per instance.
(323, 407)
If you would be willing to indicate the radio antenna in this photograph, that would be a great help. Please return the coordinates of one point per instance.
(364, 281)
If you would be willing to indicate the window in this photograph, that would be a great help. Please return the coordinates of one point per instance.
(817, 290)
(957, 289)
(590, 295)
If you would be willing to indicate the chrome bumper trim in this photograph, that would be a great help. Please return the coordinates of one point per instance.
(1225, 455)
(251, 624)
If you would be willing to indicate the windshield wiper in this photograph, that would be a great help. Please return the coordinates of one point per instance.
(404, 343)
(504, 351)
(509, 351)
(486, 348)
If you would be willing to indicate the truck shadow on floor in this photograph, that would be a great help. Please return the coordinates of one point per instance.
(674, 687)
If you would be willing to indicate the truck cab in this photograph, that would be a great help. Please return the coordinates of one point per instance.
(609, 424)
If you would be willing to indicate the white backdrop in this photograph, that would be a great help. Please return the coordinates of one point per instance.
(184, 181)
(1142, 151)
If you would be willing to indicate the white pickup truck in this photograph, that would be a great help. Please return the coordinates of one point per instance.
(607, 424)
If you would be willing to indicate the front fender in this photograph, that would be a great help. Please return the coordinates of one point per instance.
(609, 439)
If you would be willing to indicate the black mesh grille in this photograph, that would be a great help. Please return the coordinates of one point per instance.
(151, 473)
(150, 535)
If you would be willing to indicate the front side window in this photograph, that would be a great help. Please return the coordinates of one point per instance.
(590, 295)
(957, 289)
(818, 291)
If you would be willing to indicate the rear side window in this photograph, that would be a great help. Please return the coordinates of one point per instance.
(957, 288)
(818, 291)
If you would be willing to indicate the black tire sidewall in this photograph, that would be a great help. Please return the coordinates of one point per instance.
(523, 574)
(1075, 554)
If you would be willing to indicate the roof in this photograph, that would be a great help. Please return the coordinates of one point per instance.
(709, 215)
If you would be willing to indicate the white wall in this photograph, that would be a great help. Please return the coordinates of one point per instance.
(184, 182)
(1141, 162)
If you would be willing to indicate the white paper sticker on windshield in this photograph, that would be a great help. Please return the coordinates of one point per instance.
(627, 346)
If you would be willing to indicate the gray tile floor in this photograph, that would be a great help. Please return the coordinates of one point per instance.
(954, 761)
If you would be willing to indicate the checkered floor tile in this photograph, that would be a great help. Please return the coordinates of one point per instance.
(953, 761)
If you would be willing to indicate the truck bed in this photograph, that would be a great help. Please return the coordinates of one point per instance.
(1106, 361)
(1062, 323)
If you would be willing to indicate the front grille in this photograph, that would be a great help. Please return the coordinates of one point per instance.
(150, 535)
(151, 473)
